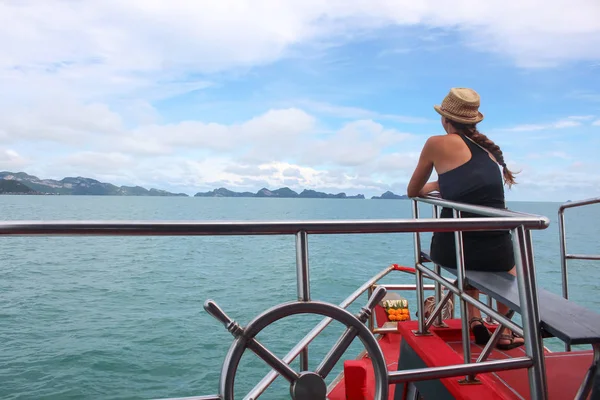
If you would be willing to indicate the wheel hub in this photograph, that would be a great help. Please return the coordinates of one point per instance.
(309, 386)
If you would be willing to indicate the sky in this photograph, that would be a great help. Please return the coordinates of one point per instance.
(330, 95)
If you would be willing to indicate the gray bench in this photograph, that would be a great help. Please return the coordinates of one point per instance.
(559, 317)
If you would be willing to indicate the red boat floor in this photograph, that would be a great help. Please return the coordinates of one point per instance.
(565, 371)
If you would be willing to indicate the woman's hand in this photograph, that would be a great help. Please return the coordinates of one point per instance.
(429, 187)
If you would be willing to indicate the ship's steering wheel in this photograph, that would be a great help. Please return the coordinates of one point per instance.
(303, 385)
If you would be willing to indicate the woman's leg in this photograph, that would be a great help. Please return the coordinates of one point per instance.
(473, 311)
(503, 309)
(481, 333)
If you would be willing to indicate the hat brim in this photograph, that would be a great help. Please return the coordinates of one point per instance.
(457, 118)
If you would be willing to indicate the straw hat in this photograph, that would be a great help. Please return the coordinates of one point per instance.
(461, 105)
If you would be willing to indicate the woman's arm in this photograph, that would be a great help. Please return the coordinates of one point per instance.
(423, 170)
(429, 187)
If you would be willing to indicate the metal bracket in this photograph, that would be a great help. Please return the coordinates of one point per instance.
(417, 333)
(472, 381)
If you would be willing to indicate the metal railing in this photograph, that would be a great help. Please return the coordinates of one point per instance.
(525, 271)
(255, 228)
(519, 223)
(564, 256)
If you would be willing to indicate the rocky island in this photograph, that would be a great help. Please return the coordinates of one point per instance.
(282, 193)
(390, 196)
(22, 183)
(287, 193)
(14, 187)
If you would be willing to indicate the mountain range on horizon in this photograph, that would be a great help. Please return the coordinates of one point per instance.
(23, 183)
(72, 186)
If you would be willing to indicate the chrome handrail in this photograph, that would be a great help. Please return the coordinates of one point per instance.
(579, 203)
(481, 210)
(218, 228)
(564, 256)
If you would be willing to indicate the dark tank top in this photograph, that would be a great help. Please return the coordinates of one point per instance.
(478, 181)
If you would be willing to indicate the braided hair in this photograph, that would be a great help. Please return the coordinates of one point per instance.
(470, 131)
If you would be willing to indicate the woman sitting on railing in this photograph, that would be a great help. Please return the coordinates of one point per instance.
(466, 163)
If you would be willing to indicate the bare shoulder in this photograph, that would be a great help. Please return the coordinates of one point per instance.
(437, 143)
(436, 140)
(444, 151)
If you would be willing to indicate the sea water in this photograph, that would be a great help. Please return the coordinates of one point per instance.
(122, 317)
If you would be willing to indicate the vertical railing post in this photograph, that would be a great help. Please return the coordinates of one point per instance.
(563, 259)
(303, 282)
(371, 318)
(563, 253)
(460, 271)
(489, 318)
(438, 287)
(418, 274)
(528, 299)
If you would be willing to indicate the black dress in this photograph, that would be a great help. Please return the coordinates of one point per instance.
(478, 181)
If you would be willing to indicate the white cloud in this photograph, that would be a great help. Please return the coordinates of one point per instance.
(397, 162)
(85, 75)
(60, 121)
(554, 181)
(292, 172)
(394, 51)
(65, 59)
(280, 174)
(73, 55)
(212, 173)
(576, 176)
(267, 133)
(596, 123)
(281, 147)
(550, 154)
(581, 117)
(568, 122)
(144, 36)
(97, 126)
(357, 143)
(98, 48)
(89, 161)
(586, 95)
(10, 160)
(356, 112)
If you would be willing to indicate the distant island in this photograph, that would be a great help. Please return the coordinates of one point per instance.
(390, 196)
(287, 193)
(15, 187)
(21, 183)
(283, 193)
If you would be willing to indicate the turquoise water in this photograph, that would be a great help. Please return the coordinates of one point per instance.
(122, 317)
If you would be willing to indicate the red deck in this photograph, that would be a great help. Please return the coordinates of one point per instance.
(565, 371)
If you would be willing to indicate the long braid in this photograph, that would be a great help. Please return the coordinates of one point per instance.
(472, 133)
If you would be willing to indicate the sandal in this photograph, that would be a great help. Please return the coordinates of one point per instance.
(511, 341)
(481, 333)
